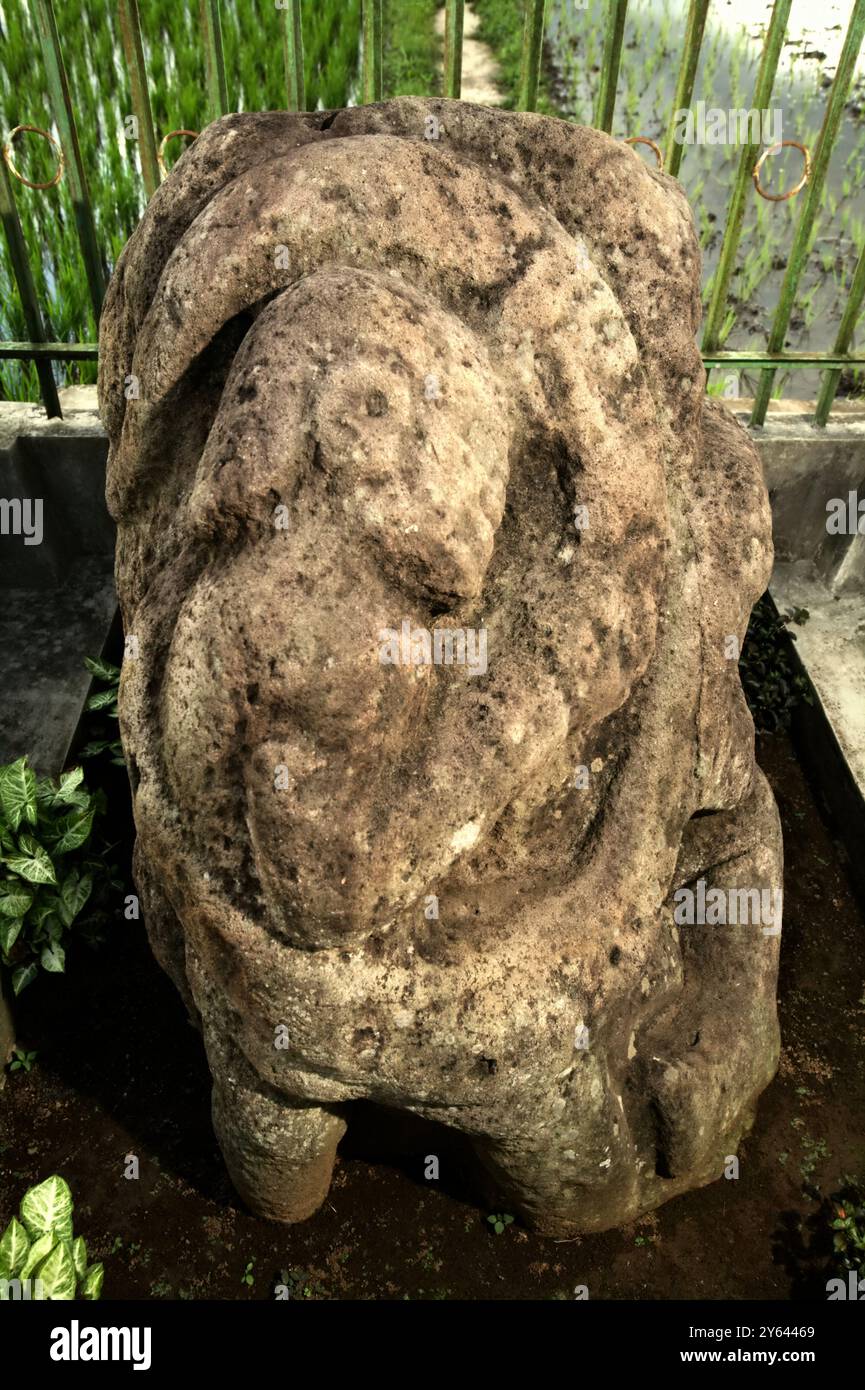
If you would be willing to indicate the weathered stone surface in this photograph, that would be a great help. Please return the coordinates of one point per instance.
(424, 357)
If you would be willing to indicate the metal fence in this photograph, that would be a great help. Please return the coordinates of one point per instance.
(42, 352)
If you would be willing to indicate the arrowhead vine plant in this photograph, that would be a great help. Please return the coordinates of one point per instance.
(848, 1227)
(104, 702)
(40, 1258)
(49, 870)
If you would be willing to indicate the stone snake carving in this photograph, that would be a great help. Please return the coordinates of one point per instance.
(356, 378)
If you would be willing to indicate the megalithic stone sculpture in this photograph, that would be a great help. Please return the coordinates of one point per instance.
(438, 559)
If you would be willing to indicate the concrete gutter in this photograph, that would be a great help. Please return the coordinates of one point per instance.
(57, 599)
(806, 468)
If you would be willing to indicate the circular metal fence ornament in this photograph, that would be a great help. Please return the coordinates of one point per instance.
(773, 149)
(165, 139)
(644, 140)
(10, 163)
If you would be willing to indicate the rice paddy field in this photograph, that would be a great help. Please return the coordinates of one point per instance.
(730, 55)
(654, 36)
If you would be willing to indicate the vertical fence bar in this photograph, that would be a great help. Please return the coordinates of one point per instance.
(843, 340)
(802, 237)
(533, 44)
(64, 117)
(371, 82)
(26, 288)
(130, 34)
(736, 210)
(613, 36)
(697, 11)
(217, 88)
(292, 49)
(453, 57)
(379, 52)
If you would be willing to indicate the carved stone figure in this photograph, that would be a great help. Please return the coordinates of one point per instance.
(437, 559)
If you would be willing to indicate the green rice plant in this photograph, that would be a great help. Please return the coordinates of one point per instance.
(412, 49)
(727, 326)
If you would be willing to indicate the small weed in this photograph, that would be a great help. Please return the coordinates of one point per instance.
(131, 1249)
(104, 703)
(299, 1283)
(813, 1150)
(848, 1225)
(500, 1221)
(22, 1060)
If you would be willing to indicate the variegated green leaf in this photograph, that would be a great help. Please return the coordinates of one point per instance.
(74, 893)
(91, 1286)
(103, 670)
(16, 901)
(101, 699)
(57, 1274)
(18, 793)
(76, 834)
(94, 748)
(53, 958)
(37, 1252)
(31, 861)
(53, 927)
(22, 976)
(50, 797)
(79, 1256)
(9, 930)
(48, 1208)
(42, 908)
(14, 1246)
(70, 780)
